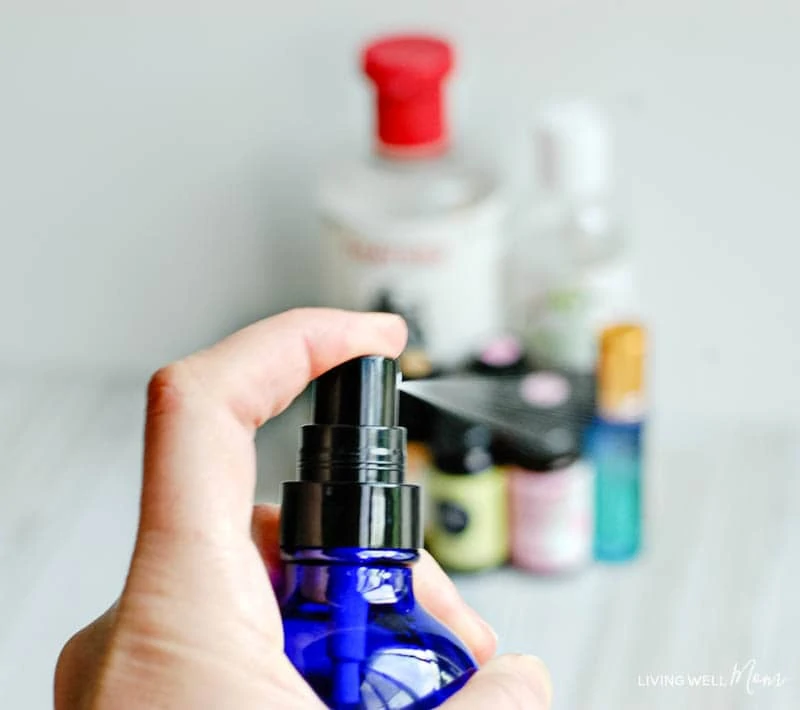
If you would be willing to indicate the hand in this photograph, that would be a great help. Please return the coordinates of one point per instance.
(197, 624)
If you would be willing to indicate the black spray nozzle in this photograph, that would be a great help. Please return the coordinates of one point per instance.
(354, 436)
(351, 465)
(361, 392)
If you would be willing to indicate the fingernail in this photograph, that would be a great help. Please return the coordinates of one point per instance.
(482, 624)
(487, 627)
(387, 320)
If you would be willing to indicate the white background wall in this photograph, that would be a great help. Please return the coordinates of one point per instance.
(157, 167)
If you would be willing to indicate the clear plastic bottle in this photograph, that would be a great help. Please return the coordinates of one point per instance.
(414, 225)
(350, 534)
(571, 271)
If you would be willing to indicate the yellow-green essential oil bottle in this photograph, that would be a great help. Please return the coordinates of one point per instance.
(467, 518)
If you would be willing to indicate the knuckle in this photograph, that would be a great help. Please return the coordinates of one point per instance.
(297, 314)
(64, 662)
(168, 389)
(70, 679)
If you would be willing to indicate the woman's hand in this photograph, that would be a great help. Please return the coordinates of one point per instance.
(197, 624)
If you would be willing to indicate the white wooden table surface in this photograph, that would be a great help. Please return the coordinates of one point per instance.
(719, 585)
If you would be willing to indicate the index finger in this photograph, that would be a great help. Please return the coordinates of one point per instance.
(202, 412)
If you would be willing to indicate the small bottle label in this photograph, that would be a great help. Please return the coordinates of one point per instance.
(551, 518)
(451, 517)
(468, 528)
(563, 321)
(444, 278)
(617, 456)
(561, 334)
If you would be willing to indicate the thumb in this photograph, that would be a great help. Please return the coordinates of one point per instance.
(194, 543)
(511, 682)
(199, 463)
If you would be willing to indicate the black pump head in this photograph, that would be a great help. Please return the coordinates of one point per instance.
(350, 491)
(361, 392)
(355, 436)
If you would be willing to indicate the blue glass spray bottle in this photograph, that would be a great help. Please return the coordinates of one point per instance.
(614, 443)
(350, 533)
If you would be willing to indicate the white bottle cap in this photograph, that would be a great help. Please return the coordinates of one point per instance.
(574, 149)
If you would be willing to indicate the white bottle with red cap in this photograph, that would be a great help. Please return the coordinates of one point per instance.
(412, 229)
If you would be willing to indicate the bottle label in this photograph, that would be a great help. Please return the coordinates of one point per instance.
(551, 518)
(444, 278)
(617, 456)
(561, 334)
(451, 517)
(564, 320)
(468, 526)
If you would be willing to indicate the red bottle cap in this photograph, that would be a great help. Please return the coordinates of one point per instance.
(408, 72)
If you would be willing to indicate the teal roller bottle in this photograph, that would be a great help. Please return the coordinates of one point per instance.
(614, 443)
(350, 534)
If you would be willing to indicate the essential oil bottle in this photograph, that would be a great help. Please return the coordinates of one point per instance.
(550, 485)
(350, 534)
(550, 504)
(467, 528)
(614, 443)
(537, 421)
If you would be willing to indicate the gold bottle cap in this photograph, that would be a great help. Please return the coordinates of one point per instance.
(415, 364)
(620, 372)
